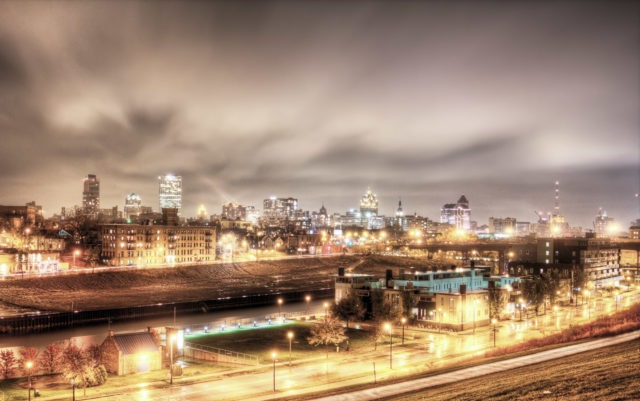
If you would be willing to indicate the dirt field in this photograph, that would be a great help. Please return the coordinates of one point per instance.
(115, 289)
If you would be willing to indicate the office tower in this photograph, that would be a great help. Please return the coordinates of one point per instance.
(91, 196)
(280, 208)
(170, 192)
(457, 214)
(369, 204)
(132, 206)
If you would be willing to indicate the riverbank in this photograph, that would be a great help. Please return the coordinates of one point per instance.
(137, 287)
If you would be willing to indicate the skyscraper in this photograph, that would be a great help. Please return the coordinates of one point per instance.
(132, 206)
(170, 192)
(279, 208)
(457, 214)
(369, 204)
(91, 196)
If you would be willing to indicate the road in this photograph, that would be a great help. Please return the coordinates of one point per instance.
(422, 352)
(480, 370)
(342, 370)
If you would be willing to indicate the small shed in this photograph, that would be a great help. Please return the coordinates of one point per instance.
(126, 353)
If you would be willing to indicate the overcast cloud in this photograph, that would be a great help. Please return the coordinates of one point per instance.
(422, 101)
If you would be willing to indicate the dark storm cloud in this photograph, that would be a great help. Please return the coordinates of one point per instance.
(318, 100)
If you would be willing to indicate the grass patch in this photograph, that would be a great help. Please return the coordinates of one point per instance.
(609, 373)
(263, 340)
(614, 324)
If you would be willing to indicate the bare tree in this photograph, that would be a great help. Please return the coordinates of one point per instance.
(496, 301)
(50, 358)
(7, 363)
(381, 309)
(76, 365)
(376, 335)
(328, 331)
(29, 354)
(349, 308)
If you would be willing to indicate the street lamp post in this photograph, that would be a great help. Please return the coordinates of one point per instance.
(290, 337)
(521, 303)
(307, 299)
(404, 321)
(29, 365)
(171, 340)
(475, 302)
(280, 307)
(273, 355)
(588, 294)
(495, 331)
(326, 309)
(389, 329)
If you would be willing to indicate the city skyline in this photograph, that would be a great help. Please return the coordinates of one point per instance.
(318, 101)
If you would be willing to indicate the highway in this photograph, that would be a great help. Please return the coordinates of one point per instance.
(476, 371)
(341, 370)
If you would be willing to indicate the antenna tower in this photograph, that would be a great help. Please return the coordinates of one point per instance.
(556, 207)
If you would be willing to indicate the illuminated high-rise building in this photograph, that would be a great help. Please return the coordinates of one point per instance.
(132, 206)
(457, 214)
(170, 192)
(369, 204)
(91, 195)
(202, 213)
(280, 208)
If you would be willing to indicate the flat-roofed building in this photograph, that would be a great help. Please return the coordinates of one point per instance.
(149, 245)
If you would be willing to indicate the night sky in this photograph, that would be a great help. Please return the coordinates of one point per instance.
(422, 101)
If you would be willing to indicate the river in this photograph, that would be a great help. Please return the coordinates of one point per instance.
(86, 335)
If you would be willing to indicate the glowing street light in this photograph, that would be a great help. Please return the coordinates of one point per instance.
(76, 253)
(290, 337)
(29, 365)
(280, 301)
(273, 356)
(307, 299)
(172, 339)
(326, 309)
(388, 328)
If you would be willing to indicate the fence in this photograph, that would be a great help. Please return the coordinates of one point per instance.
(204, 352)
